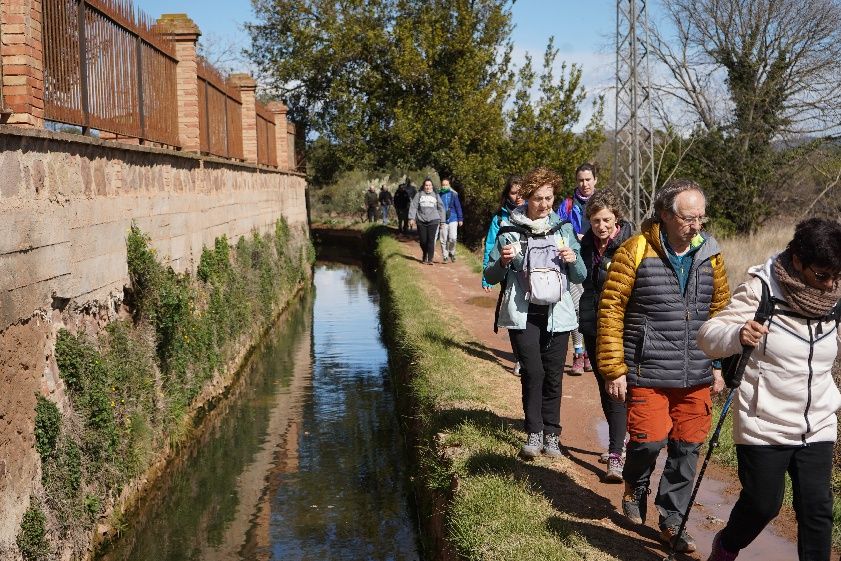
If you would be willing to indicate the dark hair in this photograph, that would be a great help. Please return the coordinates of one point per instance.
(537, 178)
(605, 199)
(666, 197)
(425, 179)
(592, 168)
(817, 241)
(509, 184)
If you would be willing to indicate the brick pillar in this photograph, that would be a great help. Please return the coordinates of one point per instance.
(23, 62)
(184, 33)
(279, 110)
(291, 135)
(247, 86)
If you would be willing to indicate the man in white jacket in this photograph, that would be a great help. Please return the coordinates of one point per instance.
(785, 408)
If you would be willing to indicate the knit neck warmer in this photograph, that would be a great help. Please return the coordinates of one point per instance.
(509, 204)
(580, 198)
(804, 299)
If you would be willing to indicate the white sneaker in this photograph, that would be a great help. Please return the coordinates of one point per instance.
(517, 368)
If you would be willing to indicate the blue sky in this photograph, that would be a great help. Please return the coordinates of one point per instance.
(583, 30)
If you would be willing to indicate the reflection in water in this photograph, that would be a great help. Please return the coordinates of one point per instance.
(302, 460)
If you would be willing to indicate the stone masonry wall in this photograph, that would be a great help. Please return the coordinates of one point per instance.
(67, 203)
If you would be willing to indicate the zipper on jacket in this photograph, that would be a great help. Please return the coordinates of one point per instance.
(809, 386)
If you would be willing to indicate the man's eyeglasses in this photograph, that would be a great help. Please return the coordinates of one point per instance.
(823, 277)
(700, 220)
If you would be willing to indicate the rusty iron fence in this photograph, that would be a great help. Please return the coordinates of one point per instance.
(266, 140)
(220, 114)
(106, 68)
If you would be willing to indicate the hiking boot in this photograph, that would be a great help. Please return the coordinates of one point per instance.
(683, 543)
(453, 258)
(551, 446)
(719, 553)
(577, 365)
(587, 366)
(517, 368)
(533, 446)
(615, 463)
(635, 502)
(606, 455)
(445, 260)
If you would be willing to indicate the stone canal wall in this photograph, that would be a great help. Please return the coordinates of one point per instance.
(68, 203)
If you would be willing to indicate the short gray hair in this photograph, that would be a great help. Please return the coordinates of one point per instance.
(666, 197)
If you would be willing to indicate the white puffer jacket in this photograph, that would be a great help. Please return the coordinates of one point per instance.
(787, 395)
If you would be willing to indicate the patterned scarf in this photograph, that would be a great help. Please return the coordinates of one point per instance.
(804, 299)
(580, 198)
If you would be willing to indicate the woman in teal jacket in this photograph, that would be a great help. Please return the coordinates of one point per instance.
(539, 332)
(509, 200)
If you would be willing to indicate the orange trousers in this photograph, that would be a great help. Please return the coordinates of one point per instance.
(683, 414)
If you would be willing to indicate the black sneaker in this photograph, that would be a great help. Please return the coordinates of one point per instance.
(684, 543)
(635, 503)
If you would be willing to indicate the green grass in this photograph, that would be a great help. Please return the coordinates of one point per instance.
(463, 452)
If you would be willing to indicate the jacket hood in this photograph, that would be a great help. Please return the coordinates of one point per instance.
(764, 271)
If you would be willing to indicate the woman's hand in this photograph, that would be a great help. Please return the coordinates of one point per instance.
(567, 254)
(486, 288)
(508, 253)
(412, 224)
(617, 389)
(751, 333)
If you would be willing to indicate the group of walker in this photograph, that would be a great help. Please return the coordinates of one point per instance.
(655, 314)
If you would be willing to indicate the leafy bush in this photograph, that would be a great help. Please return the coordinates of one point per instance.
(31, 538)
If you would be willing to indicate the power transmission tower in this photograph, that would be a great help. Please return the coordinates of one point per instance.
(633, 150)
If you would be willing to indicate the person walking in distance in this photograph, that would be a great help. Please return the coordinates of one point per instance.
(535, 257)
(785, 407)
(401, 207)
(662, 286)
(453, 219)
(426, 212)
(572, 209)
(608, 230)
(385, 200)
(371, 200)
(509, 200)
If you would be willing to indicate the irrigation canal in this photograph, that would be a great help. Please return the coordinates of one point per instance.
(302, 460)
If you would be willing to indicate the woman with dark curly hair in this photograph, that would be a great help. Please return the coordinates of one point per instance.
(536, 256)
(785, 408)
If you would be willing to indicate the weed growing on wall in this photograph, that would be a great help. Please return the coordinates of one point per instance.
(132, 385)
(31, 539)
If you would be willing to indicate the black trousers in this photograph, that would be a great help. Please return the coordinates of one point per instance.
(427, 234)
(542, 356)
(615, 412)
(372, 213)
(761, 473)
(402, 219)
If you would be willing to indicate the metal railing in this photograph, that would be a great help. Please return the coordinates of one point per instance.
(105, 68)
(220, 114)
(266, 140)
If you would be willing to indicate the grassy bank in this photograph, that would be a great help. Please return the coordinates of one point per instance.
(133, 387)
(490, 505)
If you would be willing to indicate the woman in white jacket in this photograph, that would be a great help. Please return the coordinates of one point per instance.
(785, 408)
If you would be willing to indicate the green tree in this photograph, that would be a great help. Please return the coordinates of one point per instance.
(541, 130)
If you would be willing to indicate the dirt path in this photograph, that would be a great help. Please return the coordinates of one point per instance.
(585, 435)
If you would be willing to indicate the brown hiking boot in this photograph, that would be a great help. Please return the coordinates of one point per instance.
(635, 503)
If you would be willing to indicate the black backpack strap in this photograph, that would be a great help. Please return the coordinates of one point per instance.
(513, 228)
(733, 367)
(502, 286)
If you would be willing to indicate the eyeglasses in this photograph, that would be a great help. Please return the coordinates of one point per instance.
(701, 220)
(823, 277)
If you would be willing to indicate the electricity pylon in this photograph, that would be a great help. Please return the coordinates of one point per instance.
(633, 150)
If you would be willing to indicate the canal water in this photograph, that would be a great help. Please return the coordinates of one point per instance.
(302, 460)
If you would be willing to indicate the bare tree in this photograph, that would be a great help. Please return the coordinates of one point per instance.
(779, 60)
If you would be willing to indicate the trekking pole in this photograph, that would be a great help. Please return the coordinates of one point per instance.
(734, 368)
(713, 443)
